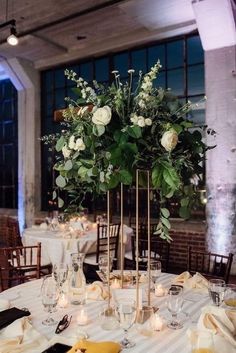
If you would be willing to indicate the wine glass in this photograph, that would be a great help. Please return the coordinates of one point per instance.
(174, 304)
(155, 272)
(126, 312)
(50, 296)
(60, 273)
(103, 266)
(202, 341)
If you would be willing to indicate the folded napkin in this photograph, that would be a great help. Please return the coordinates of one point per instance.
(10, 315)
(21, 337)
(4, 304)
(96, 347)
(196, 281)
(222, 323)
(96, 291)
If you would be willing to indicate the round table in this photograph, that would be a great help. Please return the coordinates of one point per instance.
(167, 340)
(56, 248)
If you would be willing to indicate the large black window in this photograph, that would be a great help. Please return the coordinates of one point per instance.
(8, 145)
(182, 70)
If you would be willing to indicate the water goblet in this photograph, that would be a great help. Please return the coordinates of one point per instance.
(230, 296)
(174, 305)
(103, 266)
(155, 272)
(126, 312)
(60, 273)
(50, 296)
(216, 290)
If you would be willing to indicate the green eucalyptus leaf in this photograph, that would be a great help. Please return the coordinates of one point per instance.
(184, 212)
(54, 195)
(68, 165)
(60, 143)
(157, 176)
(125, 177)
(134, 131)
(98, 130)
(165, 212)
(60, 202)
(166, 222)
(60, 181)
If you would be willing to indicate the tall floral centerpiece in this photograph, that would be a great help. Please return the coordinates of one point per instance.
(110, 131)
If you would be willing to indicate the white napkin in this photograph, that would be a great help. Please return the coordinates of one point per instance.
(21, 337)
(222, 324)
(43, 226)
(96, 291)
(196, 281)
(4, 304)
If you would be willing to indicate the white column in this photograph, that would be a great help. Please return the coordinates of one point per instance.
(27, 82)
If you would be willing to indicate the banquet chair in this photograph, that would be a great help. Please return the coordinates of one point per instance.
(13, 232)
(91, 260)
(19, 264)
(210, 264)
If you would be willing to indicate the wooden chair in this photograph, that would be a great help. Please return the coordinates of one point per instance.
(210, 264)
(20, 264)
(91, 260)
(13, 233)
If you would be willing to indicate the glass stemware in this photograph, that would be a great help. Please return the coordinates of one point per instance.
(202, 342)
(155, 272)
(126, 311)
(103, 266)
(216, 289)
(174, 305)
(60, 273)
(50, 296)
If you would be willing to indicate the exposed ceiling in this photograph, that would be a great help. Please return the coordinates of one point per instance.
(48, 29)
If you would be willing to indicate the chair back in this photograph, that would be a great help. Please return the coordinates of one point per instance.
(210, 264)
(13, 232)
(20, 264)
(102, 240)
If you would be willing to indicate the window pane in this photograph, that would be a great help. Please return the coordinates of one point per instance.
(121, 63)
(195, 50)
(198, 110)
(59, 78)
(195, 80)
(60, 98)
(86, 71)
(160, 80)
(139, 61)
(102, 69)
(155, 53)
(48, 81)
(175, 57)
(176, 81)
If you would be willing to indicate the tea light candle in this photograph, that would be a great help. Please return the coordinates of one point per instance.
(160, 290)
(156, 323)
(63, 301)
(94, 225)
(82, 317)
(115, 284)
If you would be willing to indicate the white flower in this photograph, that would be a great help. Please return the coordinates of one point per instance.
(148, 122)
(141, 103)
(134, 118)
(102, 177)
(169, 140)
(141, 121)
(79, 145)
(72, 142)
(66, 152)
(102, 116)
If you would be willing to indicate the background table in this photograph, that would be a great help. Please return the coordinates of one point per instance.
(168, 341)
(56, 248)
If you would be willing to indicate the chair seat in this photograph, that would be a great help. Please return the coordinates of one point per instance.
(90, 259)
(129, 255)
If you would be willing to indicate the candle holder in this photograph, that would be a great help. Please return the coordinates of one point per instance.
(82, 317)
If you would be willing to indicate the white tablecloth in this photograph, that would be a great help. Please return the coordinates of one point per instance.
(166, 341)
(56, 249)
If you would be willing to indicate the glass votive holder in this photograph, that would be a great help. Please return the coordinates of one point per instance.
(156, 322)
(108, 319)
(82, 316)
(160, 290)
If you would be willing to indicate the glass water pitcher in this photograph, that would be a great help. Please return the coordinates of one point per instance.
(77, 288)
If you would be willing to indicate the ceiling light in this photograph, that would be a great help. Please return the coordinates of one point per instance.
(12, 39)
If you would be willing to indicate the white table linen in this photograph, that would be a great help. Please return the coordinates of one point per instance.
(56, 248)
(168, 341)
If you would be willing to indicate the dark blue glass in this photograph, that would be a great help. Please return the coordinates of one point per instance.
(194, 50)
(175, 81)
(102, 69)
(175, 56)
(48, 80)
(60, 98)
(48, 106)
(160, 81)
(196, 80)
(86, 71)
(59, 78)
(198, 111)
(121, 63)
(9, 131)
(139, 60)
(154, 53)
(7, 110)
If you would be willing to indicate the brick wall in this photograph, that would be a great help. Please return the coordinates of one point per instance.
(179, 246)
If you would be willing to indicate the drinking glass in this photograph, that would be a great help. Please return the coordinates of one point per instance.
(202, 342)
(230, 296)
(155, 272)
(143, 319)
(103, 266)
(216, 289)
(108, 318)
(126, 312)
(174, 304)
(60, 273)
(50, 296)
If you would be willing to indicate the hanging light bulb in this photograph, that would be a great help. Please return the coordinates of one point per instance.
(12, 38)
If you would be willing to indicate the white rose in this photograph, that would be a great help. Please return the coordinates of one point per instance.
(141, 121)
(79, 145)
(148, 122)
(169, 140)
(72, 142)
(102, 116)
(134, 119)
(65, 152)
